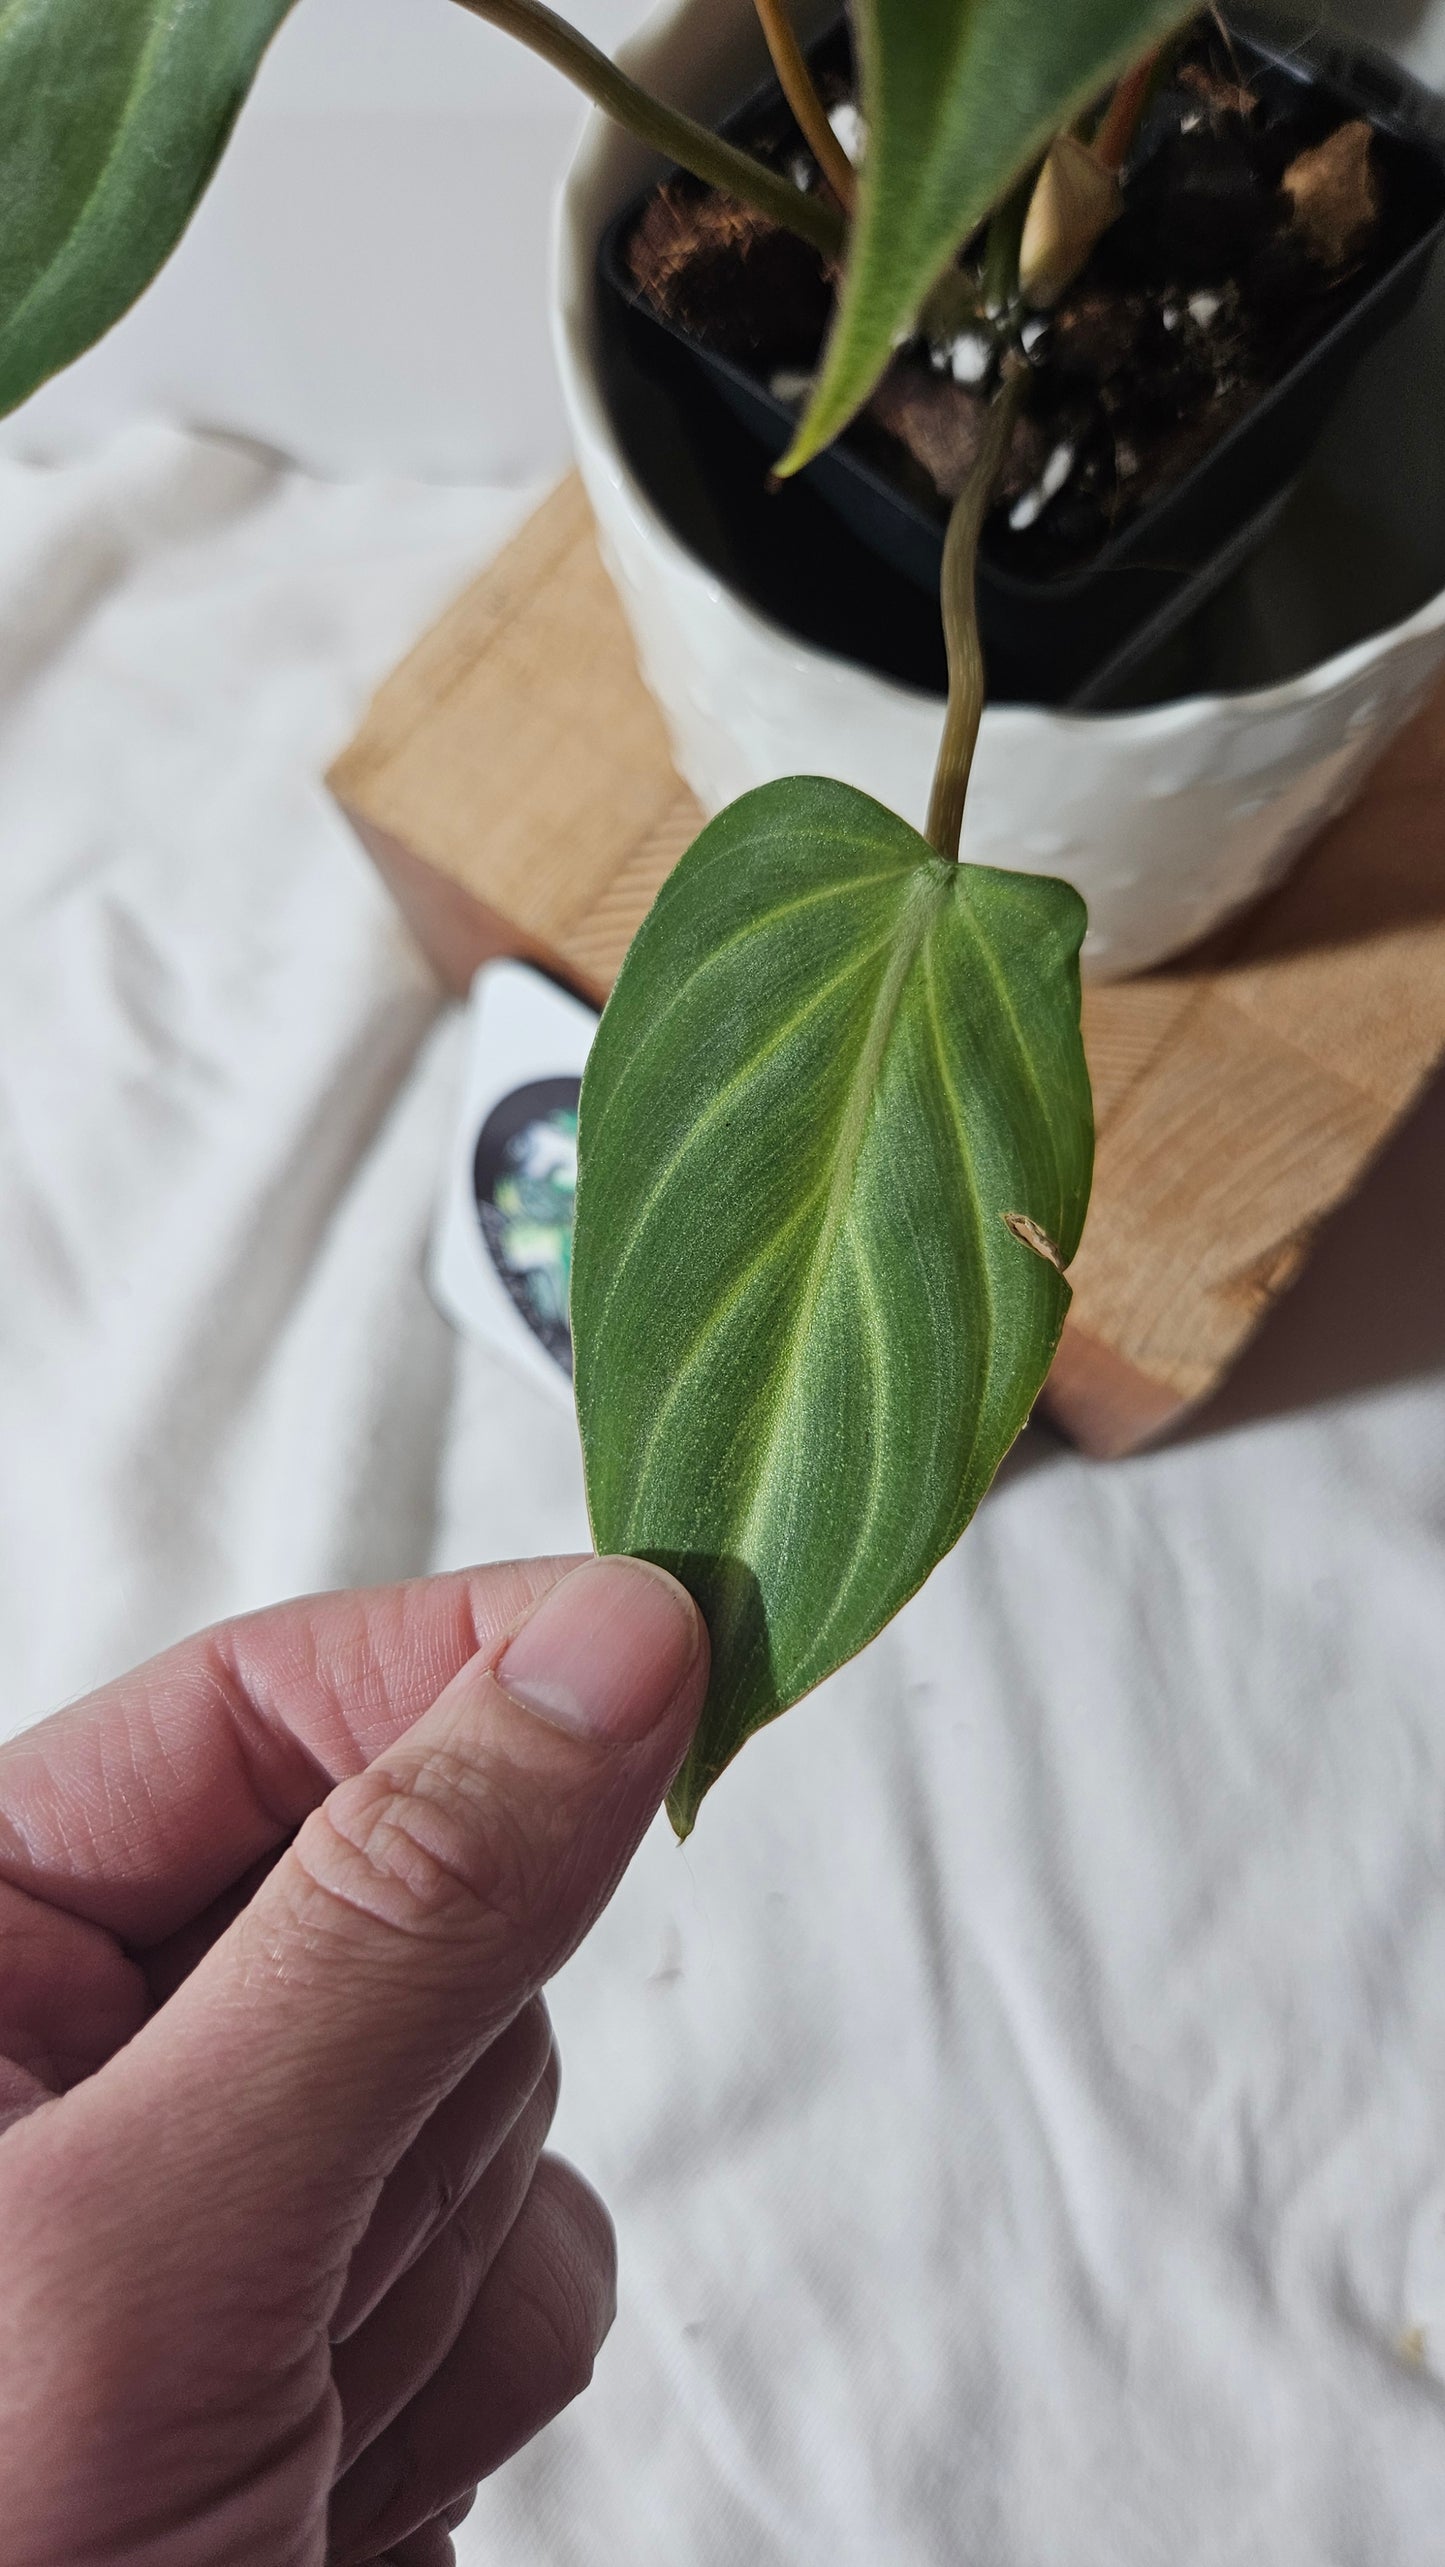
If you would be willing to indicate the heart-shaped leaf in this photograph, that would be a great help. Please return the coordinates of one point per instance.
(113, 114)
(837, 1090)
(959, 96)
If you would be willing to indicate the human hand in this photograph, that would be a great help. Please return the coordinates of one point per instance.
(283, 2271)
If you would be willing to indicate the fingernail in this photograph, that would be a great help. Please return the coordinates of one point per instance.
(605, 1651)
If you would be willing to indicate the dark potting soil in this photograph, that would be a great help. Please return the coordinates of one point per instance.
(1255, 213)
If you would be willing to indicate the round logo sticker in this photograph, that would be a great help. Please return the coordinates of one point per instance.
(525, 1178)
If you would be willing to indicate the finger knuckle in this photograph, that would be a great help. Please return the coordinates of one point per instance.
(535, 2042)
(569, 2287)
(563, 2351)
(445, 2193)
(523, 2058)
(430, 1851)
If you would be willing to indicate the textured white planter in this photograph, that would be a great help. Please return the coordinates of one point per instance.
(1166, 821)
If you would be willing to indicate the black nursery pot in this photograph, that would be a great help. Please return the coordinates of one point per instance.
(1071, 638)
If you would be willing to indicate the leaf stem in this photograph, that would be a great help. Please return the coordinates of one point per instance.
(966, 673)
(1003, 243)
(667, 129)
(791, 65)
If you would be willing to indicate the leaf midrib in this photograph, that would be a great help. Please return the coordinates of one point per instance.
(922, 894)
(712, 1113)
(969, 1165)
(761, 922)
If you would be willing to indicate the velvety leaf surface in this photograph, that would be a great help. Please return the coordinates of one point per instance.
(112, 116)
(805, 1334)
(959, 97)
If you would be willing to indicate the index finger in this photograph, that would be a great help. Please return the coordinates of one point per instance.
(140, 1804)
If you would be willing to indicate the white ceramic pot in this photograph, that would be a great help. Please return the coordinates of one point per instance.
(1166, 820)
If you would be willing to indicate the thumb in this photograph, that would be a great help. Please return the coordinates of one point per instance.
(418, 1909)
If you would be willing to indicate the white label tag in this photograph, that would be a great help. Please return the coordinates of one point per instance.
(501, 1253)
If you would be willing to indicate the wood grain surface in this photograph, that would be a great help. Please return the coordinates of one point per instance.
(512, 781)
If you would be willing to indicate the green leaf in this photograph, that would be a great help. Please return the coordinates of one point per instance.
(960, 96)
(113, 114)
(833, 1066)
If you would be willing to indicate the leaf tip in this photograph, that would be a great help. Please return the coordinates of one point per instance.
(831, 404)
(685, 1800)
(803, 450)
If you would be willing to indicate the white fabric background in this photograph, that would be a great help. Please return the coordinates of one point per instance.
(1023, 2103)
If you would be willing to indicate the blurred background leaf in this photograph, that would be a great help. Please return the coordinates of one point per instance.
(113, 114)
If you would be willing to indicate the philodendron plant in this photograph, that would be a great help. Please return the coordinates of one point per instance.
(836, 1133)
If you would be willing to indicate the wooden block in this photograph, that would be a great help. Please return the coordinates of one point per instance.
(512, 779)
(1288, 1057)
(513, 782)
